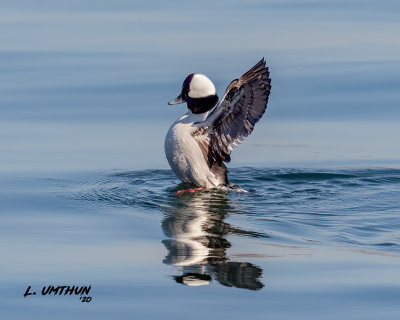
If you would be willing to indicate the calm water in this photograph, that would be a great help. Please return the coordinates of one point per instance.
(87, 197)
(311, 240)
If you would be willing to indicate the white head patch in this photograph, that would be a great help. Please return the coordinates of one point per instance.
(201, 86)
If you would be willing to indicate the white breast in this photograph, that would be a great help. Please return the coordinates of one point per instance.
(184, 154)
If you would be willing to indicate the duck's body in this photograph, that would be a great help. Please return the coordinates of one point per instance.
(199, 142)
(185, 156)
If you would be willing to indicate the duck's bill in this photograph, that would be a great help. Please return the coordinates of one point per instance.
(177, 100)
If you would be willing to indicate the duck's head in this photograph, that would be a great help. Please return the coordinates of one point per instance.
(198, 92)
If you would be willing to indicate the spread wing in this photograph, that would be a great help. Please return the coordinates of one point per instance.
(233, 119)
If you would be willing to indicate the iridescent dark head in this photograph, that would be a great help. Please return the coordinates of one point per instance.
(198, 92)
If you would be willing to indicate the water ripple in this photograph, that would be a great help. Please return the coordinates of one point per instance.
(349, 207)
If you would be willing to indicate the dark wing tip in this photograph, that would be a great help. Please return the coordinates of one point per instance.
(258, 71)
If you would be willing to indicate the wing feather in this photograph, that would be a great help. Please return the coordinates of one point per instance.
(235, 116)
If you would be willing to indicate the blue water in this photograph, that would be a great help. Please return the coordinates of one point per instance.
(87, 197)
(309, 239)
(357, 207)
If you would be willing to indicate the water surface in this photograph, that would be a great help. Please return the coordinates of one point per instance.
(308, 239)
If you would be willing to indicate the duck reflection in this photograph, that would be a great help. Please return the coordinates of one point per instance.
(195, 227)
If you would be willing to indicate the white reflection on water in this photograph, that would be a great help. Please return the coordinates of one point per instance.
(196, 244)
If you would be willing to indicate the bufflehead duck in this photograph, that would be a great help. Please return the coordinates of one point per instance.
(199, 142)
